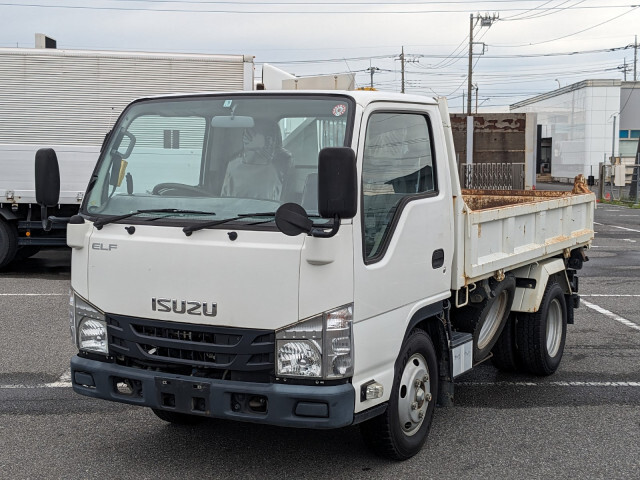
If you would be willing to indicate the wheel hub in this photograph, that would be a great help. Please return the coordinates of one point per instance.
(414, 395)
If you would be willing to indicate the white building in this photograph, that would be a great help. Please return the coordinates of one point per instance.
(585, 124)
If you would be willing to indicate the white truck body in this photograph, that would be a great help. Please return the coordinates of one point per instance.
(402, 275)
(67, 100)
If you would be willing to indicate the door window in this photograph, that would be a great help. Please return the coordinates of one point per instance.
(398, 166)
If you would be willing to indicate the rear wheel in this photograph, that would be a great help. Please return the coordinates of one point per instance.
(402, 429)
(541, 335)
(485, 320)
(178, 418)
(505, 353)
(8, 242)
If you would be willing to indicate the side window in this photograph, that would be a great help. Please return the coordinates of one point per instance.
(398, 163)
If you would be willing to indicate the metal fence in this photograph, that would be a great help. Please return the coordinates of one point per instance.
(492, 176)
(620, 183)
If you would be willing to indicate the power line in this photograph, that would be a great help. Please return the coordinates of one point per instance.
(634, 7)
(279, 11)
(544, 12)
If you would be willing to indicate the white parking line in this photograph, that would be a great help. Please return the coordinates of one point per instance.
(609, 295)
(612, 315)
(551, 384)
(616, 226)
(64, 381)
(34, 294)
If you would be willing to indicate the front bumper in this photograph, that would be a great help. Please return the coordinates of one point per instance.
(304, 406)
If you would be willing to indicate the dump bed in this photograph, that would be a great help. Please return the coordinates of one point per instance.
(504, 230)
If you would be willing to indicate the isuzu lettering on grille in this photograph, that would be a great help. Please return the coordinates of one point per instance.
(189, 307)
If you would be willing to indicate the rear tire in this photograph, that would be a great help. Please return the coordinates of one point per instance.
(178, 418)
(541, 335)
(402, 429)
(505, 353)
(8, 242)
(485, 320)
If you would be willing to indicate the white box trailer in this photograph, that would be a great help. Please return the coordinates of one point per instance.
(67, 100)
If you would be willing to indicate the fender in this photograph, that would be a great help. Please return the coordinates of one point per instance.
(8, 214)
(531, 282)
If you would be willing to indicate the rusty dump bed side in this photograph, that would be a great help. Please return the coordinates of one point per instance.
(508, 229)
(484, 199)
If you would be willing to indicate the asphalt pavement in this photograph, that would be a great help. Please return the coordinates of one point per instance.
(582, 422)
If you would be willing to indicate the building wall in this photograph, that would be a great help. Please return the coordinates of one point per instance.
(629, 119)
(579, 120)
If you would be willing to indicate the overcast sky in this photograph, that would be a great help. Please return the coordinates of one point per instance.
(527, 50)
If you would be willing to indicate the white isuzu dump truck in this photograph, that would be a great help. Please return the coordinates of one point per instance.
(308, 259)
(68, 100)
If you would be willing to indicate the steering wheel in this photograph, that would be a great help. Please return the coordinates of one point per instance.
(171, 189)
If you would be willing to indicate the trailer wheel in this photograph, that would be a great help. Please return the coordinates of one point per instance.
(541, 335)
(486, 319)
(26, 251)
(402, 429)
(8, 242)
(505, 354)
(178, 418)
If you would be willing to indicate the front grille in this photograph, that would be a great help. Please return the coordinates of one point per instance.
(155, 344)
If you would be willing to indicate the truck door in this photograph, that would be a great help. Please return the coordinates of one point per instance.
(406, 214)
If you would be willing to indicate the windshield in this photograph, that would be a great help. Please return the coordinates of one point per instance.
(205, 158)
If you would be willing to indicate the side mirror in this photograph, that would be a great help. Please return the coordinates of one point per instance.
(47, 183)
(337, 183)
(291, 219)
(47, 178)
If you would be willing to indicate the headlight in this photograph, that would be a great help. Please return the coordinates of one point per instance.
(320, 347)
(88, 326)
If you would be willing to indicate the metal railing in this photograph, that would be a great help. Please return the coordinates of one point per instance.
(492, 176)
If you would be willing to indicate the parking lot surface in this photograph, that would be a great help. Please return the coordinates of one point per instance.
(582, 422)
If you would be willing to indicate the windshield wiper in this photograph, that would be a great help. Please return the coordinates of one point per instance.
(105, 221)
(192, 228)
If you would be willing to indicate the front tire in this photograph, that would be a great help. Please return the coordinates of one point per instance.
(402, 429)
(541, 335)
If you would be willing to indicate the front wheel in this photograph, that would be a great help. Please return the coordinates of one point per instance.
(402, 429)
(541, 335)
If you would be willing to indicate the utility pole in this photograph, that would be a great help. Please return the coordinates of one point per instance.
(485, 21)
(635, 59)
(625, 70)
(476, 85)
(402, 69)
(470, 64)
(625, 67)
(372, 70)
